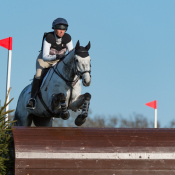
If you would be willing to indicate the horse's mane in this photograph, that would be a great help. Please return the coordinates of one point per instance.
(68, 53)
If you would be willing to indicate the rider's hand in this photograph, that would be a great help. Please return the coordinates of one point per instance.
(59, 57)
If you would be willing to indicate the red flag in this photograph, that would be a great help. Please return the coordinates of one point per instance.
(6, 43)
(152, 104)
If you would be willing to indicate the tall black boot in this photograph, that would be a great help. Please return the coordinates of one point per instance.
(35, 88)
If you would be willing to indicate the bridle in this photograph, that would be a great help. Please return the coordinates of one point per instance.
(78, 73)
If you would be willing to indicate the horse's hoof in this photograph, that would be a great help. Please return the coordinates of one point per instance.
(79, 120)
(65, 116)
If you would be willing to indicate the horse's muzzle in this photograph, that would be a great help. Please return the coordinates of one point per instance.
(86, 83)
(86, 79)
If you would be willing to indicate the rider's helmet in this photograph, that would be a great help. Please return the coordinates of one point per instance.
(60, 23)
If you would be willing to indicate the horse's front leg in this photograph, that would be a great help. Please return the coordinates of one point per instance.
(82, 100)
(60, 99)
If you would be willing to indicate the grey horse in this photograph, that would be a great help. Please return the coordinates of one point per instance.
(60, 92)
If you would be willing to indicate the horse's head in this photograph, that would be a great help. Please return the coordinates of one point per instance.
(82, 62)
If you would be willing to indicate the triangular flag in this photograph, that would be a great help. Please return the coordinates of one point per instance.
(152, 104)
(6, 43)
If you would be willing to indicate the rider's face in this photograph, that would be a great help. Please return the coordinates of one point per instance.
(59, 32)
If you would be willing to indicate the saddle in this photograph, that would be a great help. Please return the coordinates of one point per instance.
(44, 75)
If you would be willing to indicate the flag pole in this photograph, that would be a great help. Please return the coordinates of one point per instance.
(155, 119)
(153, 104)
(8, 79)
(7, 43)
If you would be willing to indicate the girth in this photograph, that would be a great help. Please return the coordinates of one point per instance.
(45, 106)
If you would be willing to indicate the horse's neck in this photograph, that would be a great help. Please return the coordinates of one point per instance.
(66, 67)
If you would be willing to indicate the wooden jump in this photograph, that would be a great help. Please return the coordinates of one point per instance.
(92, 151)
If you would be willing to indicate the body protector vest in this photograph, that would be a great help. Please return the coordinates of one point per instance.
(58, 44)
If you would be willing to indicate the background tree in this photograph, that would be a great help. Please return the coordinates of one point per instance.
(137, 121)
(6, 160)
(112, 121)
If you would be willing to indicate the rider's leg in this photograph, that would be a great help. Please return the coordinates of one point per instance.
(35, 88)
(40, 65)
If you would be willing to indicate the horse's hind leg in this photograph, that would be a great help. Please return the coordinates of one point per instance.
(22, 119)
(84, 102)
(60, 99)
(41, 121)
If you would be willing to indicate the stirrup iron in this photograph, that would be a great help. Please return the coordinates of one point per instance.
(29, 101)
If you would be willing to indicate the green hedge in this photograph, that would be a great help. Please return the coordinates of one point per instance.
(6, 141)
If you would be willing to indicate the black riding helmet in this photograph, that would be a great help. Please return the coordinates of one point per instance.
(60, 23)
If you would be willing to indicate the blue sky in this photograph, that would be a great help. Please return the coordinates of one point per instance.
(132, 51)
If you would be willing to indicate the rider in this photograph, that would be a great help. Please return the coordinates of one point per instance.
(54, 46)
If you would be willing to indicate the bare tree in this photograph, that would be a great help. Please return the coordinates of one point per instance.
(96, 121)
(172, 124)
(136, 121)
(101, 121)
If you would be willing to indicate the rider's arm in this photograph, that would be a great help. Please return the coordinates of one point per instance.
(69, 46)
(46, 51)
(68, 41)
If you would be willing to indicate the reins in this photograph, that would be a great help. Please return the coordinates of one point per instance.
(71, 84)
(68, 82)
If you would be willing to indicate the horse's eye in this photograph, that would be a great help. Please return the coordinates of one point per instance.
(76, 60)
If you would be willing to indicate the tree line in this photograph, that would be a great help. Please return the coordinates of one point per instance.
(112, 121)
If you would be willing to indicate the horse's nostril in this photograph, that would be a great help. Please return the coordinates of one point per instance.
(85, 81)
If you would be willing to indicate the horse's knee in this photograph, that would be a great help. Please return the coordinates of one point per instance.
(55, 101)
(57, 98)
(62, 97)
(87, 96)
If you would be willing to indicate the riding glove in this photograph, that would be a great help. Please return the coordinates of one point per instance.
(60, 57)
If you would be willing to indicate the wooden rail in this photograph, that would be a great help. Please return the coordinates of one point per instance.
(92, 151)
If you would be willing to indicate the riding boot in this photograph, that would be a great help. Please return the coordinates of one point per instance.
(35, 88)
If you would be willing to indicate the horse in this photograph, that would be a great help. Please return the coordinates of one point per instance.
(60, 92)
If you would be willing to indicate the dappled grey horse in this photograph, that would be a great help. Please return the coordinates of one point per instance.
(60, 92)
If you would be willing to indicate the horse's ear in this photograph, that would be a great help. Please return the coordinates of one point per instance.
(88, 46)
(77, 45)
